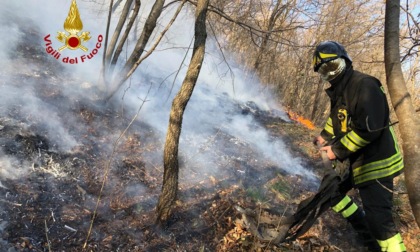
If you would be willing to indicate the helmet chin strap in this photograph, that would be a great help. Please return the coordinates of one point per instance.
(331, 75)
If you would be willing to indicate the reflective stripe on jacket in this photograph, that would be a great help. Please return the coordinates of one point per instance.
(359, 123)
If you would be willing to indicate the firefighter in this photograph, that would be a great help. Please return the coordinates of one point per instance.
(358, 131)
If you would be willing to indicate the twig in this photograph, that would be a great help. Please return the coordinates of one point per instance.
(336, 248)
(52, 214)
(179, 69)
(224, 212)
(232, 75)
(70, 228)
(211, 140)
(2, 186)
(11, 203)
(46, 235)
(386, 188)
(154, 166)
(283, 214)
(108, 166)
(254, 30)
(258, 219)
(83, 191)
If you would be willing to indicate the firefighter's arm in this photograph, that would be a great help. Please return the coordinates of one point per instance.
(326, 134)
(370, 114)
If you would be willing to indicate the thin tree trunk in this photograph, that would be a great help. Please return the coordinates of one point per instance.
(171, 166)
(103, 71)
(120, 46)
(117, 32)
(148, 29)
(409, 123)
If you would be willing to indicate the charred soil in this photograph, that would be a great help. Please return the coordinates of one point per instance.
(49, 197)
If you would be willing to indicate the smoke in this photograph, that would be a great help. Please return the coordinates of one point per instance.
(8, 168)
(214, 125)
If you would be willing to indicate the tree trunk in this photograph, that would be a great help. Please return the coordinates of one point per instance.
(409, 123)
(120, 46)
(148, 29)
(171, 166)
(117, 32)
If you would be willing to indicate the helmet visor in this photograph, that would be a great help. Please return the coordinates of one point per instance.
(331, 69)
(321, 58)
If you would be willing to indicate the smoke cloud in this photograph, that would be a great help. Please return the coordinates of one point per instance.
(215, 125)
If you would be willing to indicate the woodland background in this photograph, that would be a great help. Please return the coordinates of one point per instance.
(82, 157)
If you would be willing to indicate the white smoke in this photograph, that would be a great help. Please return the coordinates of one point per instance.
(213, 108)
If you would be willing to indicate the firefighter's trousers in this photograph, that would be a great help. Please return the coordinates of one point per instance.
(375, 220)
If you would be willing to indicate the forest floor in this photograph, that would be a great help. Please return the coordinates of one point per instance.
(51, 207)
(49, 204)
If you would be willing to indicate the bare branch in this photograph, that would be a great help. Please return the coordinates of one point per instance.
(232, 75)
(179, 69)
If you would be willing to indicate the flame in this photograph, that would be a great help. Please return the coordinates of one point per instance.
(73, 23)
(300, 119)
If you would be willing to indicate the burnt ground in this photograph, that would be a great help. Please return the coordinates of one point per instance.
(49, 196)
(50, 208)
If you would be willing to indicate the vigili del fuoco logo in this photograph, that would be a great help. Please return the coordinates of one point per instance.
(73, 38)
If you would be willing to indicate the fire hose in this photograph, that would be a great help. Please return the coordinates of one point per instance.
(285, 228)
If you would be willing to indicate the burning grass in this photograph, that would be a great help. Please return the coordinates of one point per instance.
(300, 119)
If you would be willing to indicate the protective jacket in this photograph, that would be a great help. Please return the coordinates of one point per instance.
(359, 127)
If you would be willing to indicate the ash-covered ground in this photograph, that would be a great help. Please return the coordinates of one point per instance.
(60, 158)
(55, 151)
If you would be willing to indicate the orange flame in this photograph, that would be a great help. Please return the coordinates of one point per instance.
(300, 119)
